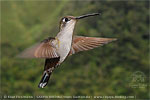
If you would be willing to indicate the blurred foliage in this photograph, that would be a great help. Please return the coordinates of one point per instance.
(102, 71)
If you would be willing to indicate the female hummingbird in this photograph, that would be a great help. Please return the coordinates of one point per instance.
(56, 50)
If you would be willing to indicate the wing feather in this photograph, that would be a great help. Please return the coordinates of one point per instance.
(44, 49)
(81, 43)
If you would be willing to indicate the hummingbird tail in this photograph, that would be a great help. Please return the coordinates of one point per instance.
(44, 80)
(50, 65)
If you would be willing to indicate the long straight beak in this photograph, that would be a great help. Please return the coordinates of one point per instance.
(88, 15)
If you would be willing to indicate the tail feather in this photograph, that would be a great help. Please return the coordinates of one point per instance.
(50, 65)
(44, 80)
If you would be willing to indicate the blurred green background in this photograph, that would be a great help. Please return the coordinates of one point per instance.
(103, 71)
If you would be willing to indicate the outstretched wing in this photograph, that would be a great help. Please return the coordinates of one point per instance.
(81, 43)
(45, 49)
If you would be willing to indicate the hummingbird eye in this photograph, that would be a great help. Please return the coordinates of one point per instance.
(66, 19)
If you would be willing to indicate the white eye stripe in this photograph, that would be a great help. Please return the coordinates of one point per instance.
(63, 19)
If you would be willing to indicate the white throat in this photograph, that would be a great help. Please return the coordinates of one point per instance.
(67, 31)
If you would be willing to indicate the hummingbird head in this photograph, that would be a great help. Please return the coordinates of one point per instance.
(70, 21)
(67, 22)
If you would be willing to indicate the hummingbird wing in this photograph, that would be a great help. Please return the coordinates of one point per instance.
(44, 49)
(81, 43)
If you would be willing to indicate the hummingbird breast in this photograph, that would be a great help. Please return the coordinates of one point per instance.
(65, 41)
(64, 47)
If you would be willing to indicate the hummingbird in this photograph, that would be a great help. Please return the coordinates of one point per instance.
(56, 49)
